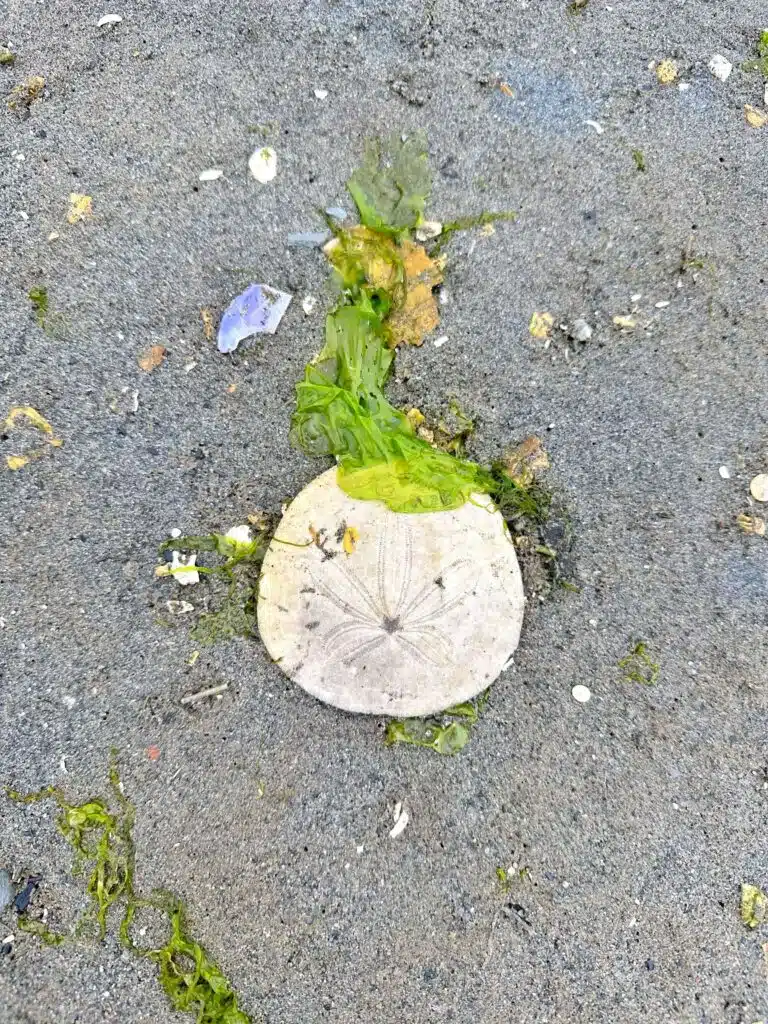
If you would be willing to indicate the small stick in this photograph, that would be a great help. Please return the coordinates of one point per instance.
(210, 691)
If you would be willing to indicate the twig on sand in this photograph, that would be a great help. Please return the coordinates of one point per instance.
(210, 691)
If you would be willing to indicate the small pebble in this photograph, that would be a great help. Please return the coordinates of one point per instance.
(724, 472)
(308, 303)
(175, 532)
(581, 693)
(758, 487)
(7, 891)
(662, 305)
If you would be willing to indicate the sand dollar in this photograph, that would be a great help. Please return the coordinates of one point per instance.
(389, 613)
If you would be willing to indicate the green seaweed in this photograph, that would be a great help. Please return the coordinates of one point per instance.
(341, 410)
(638, 667)
(103, 839)
(6, 56)
(38, 296)
(242, 561)
(391, 188)
(190, 978)
(468, 223)
(516, 501)
(639, 157)
(446, 734)
(99, 838)
(761, 63)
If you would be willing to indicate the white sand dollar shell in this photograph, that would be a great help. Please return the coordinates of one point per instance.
(421, 615)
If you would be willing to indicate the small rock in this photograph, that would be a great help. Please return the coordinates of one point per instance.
(308, 304)
(7, 891)
(719, 66)
(581, 693)
(581, 331)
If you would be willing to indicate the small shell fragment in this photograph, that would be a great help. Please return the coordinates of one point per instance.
(667, 71)
(581, 693)
(758, 487)
(724, 472)
(263, 164)
(751, 524)
(401, 818)
(719, 66)
(580, 330)
(308, 304)
(625, 322)
(108, 19)
(429, 229)
(212, 174)
(755, 118)
(321, 94)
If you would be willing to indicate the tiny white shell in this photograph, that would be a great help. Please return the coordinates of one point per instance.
(263, 164)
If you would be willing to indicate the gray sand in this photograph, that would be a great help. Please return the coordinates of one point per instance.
(639, 813)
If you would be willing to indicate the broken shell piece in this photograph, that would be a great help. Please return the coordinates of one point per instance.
(752, 524)
(422, 618)
(179, 607)
(401, 818)
(321, 94)
(212, 174)
(308, 304)
(758, 487)
(258, 310)
(581, 694)
(182, 568)
(755, 118)
(719, 66)
(724, 472)
(667, 71)
(108, 19)
(581, 331)
(429, 229)
(263, 164)
(625, 322)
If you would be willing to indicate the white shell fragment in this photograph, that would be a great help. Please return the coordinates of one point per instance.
(308, 304)
(212, 174)
(182, 568)
(758, 487)
(581, 331)
(389, 613)
(109, 19)
(581, 693)
(321, 94)
(719, 66)
(428, 229)
(724, 472)
(401, 818)
(263, 164)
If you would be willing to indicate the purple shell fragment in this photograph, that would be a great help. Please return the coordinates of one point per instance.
(258, 310)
